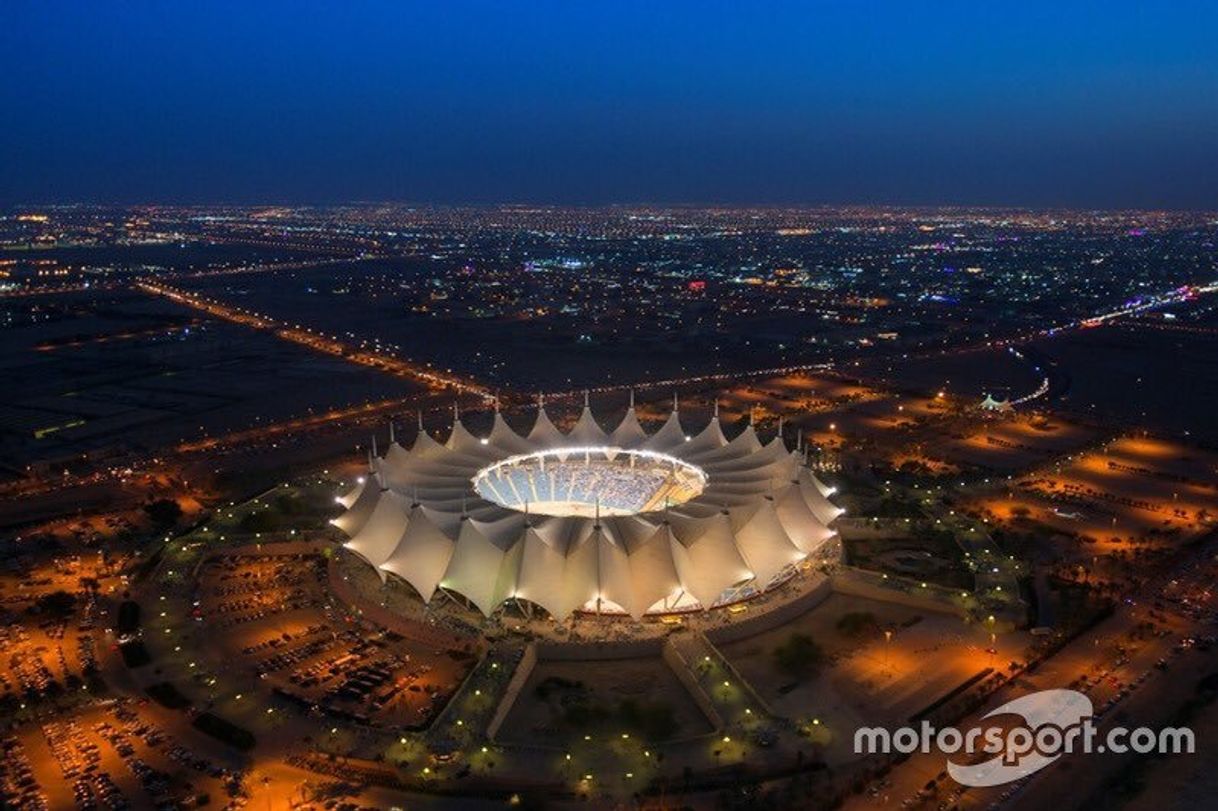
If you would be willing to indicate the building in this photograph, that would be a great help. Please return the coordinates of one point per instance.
(606, 522)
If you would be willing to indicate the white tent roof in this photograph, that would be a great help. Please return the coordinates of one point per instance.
(396, 456)
(422, 555)
(474, 571)
(824, 509)
(803, 528)
(746, 442)
(670, 435)
(350, 497)
(352, 521)
(587, 431)
(707, 558)
(614, 577)
(544, 433)
(629, 433)
(505, 439)
(425, 445)
(581, 577)
(542, 570)
(709, 440)
(765, 545)
(653, 571)
(462, 441)
(379, 535)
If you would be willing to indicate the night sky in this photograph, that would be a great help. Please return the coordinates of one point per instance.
(1108, 104)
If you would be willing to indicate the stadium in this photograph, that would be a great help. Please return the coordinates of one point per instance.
(618, 522)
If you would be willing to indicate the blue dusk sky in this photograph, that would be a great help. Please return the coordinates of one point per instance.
(1107, 104)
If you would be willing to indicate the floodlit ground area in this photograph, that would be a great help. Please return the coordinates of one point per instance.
(53, 613)
(1133, 488)
(859, 675)
(1009, 444)
(274, 626)
(563, 701)
(114, 754)
(799, 393)
(269, 611)
(870, 422)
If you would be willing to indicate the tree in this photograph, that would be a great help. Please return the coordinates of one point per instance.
(57, 603)
(858, 624)
(799, 655)
(263, 521)
(163, 512)
(655, 721)
(289, 504)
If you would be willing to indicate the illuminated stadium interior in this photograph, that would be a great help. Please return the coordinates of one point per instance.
(588, 481)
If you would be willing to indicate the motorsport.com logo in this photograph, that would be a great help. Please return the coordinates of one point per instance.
(1055, 723)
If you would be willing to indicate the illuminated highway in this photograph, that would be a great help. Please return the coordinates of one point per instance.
(328, 344)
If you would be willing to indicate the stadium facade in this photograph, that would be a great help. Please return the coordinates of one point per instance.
(606, 522)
